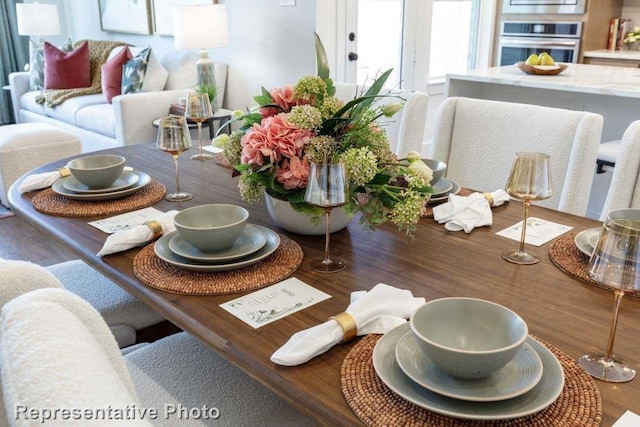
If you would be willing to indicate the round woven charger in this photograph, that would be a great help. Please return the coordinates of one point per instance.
(159, 274)
(51, 203)
(564, 253)
(428, 213)
(221, 160)
(375, 404)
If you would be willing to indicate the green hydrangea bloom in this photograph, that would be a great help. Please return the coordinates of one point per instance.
(361, 165)
(305, 117)
(311, 89)
(233, 148)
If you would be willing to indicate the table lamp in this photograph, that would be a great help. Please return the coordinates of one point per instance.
(201, 27)
(35, 19)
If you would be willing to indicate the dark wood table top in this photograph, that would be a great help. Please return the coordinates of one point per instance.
(566, 312)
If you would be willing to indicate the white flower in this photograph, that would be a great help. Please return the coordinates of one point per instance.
(413, 156)
(420, 168)
(220, 141)
(390, 109)
(236, 114)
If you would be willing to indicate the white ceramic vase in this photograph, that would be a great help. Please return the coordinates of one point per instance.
(296, 222)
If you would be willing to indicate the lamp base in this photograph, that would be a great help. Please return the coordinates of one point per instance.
(207, 76)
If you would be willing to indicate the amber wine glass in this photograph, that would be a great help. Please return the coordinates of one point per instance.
(174, 138)
(327, 188)
(615, 263)
(199, 110)
(530, 179)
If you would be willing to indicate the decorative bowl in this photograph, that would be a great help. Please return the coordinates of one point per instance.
(438, 167)
(542, 70)
(468, 338)
(213, 227)
(97, 172)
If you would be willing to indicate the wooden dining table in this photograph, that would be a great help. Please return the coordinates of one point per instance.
(566, 312)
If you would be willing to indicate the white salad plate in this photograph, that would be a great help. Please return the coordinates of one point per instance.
(163, 251)
(125, 180)
(519, 376)
(584, 238)
(58, 187)
(455, 189)
(247, 243)
(539, 397)
(441, 187)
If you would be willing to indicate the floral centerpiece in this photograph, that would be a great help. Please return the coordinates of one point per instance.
(295, 125)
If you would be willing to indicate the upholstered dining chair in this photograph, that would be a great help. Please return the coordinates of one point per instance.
(478, 139)
(405, 130)
(624, 190)
(57, 352)
(124, 313)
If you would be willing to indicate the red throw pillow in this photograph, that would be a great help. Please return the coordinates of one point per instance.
(66, 70)
(112, 73)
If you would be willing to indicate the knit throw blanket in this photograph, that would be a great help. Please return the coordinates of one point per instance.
(98, 53)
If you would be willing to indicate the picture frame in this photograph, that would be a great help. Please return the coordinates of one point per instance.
(125, 16)
(162, 14)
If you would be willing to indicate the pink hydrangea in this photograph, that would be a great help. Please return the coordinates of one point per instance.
(293, 173)
(272, 140)
(282, 96)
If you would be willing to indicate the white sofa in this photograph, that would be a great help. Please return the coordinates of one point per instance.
(128, 120)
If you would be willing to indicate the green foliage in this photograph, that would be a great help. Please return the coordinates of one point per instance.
(210, 90)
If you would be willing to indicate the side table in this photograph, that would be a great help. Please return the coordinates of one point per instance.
(220, 116)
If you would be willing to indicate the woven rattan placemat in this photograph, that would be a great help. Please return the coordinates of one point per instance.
(375, 404)
(222, 160)
(159, 274)
(564, 253)
(51, 203)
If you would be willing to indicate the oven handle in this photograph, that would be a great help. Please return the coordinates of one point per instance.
(539, 43)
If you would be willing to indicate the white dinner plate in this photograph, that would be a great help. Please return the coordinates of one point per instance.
(455, 189)
(164, 253)
(441, 187)
(125, 180)
(539, 397)
(519, 376)
(583, 239)
(58, 187)
(249, 241)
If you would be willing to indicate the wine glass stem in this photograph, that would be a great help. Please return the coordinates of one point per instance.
(175, 161)
(527, 203)
(327, 214)
(618, 294)
(200, 135)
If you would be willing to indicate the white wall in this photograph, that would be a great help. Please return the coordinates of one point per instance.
(269, 45)
(631, 10)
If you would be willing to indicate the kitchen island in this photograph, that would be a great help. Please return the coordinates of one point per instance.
(613, 92)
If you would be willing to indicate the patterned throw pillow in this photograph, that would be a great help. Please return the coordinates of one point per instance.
(36, 62)
(134, 70)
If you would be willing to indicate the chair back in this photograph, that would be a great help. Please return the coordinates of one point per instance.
(624, 191)
(405, 129)
(479, 138)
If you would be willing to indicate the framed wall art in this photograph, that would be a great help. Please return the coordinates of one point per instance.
(125, 16)
(162, 14)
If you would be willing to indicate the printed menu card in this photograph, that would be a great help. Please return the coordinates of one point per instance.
(274, 302)
(539, 231)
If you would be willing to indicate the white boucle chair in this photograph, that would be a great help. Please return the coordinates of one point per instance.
(57, 352)
(27, 146)
(479, 138)
(405, 130)
(121, 311)
(624, 191)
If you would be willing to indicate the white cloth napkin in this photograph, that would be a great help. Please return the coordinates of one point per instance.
(467, 212)
(375, 312)
(135, 236)
(37, 181)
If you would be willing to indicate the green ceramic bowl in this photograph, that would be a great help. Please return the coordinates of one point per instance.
(97, 172)
(211, 228)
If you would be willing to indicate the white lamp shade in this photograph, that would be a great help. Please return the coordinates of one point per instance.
(200, 26)
(35, 19)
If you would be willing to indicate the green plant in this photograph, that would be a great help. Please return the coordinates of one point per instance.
(211, 90)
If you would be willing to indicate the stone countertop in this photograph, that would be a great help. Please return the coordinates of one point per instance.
(616, 54)
(581, 78)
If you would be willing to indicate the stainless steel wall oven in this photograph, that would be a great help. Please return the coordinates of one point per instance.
(519, 39)
(544, 6)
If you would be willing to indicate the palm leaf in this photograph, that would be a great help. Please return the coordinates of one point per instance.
(322, 62)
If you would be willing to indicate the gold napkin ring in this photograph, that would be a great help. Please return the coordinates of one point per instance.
(64, 172)
(348, 324)
(489, 198)
(156, 227)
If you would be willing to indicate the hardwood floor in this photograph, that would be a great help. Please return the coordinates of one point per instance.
(21, 241)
